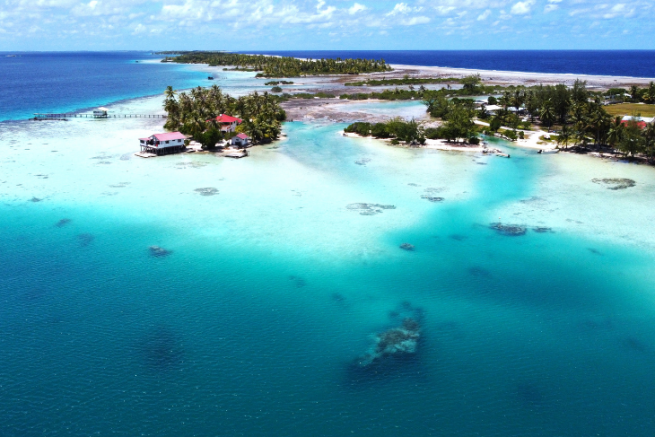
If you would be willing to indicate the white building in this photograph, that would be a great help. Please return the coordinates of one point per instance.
(163, 144)
(241, 140)
(100, 113)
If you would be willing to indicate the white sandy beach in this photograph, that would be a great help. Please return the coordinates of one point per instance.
(521, 78)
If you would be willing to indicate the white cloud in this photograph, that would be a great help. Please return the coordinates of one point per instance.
(414, 21)
(356, 8)
(483, 16)
(403, 8)
(522, 8)
(619, 10)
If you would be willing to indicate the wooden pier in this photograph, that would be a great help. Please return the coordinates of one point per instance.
(65, 116)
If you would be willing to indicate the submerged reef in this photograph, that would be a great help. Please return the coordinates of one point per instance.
(162, 350)
(509, 230)
(369, 208)
(479, 272)
(529, 395)
(615, 183)
(433, 199)
(120, 185)
(396, 342)
(85, 239)
(63, 222)
(363, 161)
(542, 230)
(407, 246)
(159, 252)
(209, 191)
(298, 281)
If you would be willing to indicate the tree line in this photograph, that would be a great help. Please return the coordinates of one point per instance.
(194, 113)
(578, 114)
(274, 67)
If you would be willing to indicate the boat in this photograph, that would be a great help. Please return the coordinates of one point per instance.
(548, 152)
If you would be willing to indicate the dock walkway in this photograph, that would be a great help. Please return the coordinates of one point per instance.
(66, 116)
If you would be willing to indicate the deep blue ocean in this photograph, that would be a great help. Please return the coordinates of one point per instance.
(634, 63)
(68, 81)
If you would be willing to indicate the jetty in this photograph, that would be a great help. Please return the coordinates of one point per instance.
(66, 116)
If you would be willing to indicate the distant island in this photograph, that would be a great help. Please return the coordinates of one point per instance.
(273, 66)
(549, 117)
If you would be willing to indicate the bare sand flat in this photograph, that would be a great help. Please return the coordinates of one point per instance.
(520, 78)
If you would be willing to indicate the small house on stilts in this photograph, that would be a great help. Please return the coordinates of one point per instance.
(162, 144)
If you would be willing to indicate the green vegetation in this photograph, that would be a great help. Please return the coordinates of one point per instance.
(458, 115)
(633, 95)
(278, 82)
(584, 121)
(271, 66)
(410, 132)
(195, 113)
(276, 89)
(404, 81)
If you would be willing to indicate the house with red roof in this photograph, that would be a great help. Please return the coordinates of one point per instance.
(241, 140)
(163, 144)
(641, 121)
(228, 123)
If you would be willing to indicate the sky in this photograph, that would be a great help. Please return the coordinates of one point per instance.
(325, 24)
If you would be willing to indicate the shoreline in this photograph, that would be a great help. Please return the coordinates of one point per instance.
(499, 77)
(442, 145)
(527, 77)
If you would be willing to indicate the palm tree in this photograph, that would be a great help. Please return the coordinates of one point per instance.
(649, 138)
(547, 114)
(564, 137)
(580, 134)
(615, 133)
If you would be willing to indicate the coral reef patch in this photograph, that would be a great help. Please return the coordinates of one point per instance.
(298, 281)
(63, 222)
(398, 341)
(369, 208)
(615, 183)
(433, 199)
(159, 252)
(209, 191)
(508, 230)
(85, 239)
(407, 246)
(162, 350)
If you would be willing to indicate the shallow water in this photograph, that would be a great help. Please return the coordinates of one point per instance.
(268, 289)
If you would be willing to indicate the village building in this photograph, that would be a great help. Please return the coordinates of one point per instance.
(241, 140)
(100, 113)
(163, 144)
(228, 123)
(641, 121)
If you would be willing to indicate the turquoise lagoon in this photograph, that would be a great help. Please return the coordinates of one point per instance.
(274, 287)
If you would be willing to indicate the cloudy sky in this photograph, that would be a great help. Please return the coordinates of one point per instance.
(325, 24)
